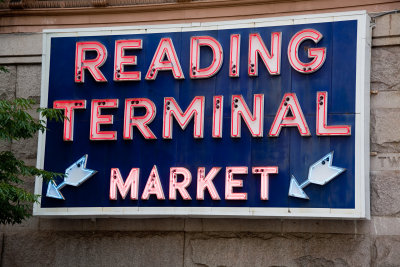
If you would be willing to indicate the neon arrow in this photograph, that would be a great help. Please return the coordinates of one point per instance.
(75, 175)
(321, 172)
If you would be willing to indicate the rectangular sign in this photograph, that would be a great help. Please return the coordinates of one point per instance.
(253, 118)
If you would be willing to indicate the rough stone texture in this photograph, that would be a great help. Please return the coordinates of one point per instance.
(8, 82)
(1, 247)
(385, 68)
(313, 261)
(385, 162)
(386, 251)
(319, 226)
(385, 226)
(93, 249)
(385, 105)
(276, 226)
(250, 249)
(25, 149)
(386, 99)
(385, 193)
(243, 225)
(31, 224)
(5, 145)
(385, 137)
(112, 224)
(28, 82)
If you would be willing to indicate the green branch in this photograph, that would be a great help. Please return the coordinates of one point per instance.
(16, 124)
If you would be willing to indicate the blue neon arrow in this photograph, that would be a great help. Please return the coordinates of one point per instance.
(321, 172)
(296, 190)
(75, 175)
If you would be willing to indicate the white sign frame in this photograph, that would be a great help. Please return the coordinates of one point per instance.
(362, 151)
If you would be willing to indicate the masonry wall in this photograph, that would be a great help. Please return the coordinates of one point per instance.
(219, 242)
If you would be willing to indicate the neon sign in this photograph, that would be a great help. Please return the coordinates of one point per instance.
(222, 119)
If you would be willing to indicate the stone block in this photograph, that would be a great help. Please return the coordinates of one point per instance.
(33, 111)
(1, 246)
(261, 249)
(11, 60)
(320, 226)
(386, 250)
(242, 225)
(385, 137)
(385, 99)
(21, 44)
(8, 83)
(5, 145)
(159, 224)
(384, 68)
(28, 181)
(388, 25)
(25, 149)
(56, 224)
(386, 41)
(389, 226)
(112, 224)
(385, 193)
(29, 224)
(364, 226)
(193, 225)
(28, 82)
(382, 26)
(394, 24)
(93, 249)
(385, 162)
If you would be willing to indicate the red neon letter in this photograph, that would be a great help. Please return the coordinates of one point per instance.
(322, 112)
(196, 109)
(165, 49)
(120, 60)
(271, 60)
(234, 63)
(206, 182)
(317, 54)
(240, 109)
(289, 103)
(140, 122)
(181, 186)
(265, 171)
(196, 43)
(96, 119)
(230, 183)
(153, 186)
(81, 63)
(218, 108)
(69, 106)
(132, 183)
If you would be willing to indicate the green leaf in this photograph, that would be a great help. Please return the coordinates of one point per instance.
(2, 68)
(16, 124)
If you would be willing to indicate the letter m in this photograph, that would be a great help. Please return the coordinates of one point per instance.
(131, 184)
(195, 109)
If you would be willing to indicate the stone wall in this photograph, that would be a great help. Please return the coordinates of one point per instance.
(219, 242)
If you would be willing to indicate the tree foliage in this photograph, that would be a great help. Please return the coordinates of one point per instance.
(16, 124)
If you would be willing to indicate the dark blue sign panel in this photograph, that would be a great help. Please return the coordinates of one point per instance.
(221, 120)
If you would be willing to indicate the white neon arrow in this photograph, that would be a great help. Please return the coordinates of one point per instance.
(75, 175)
(321, 172)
